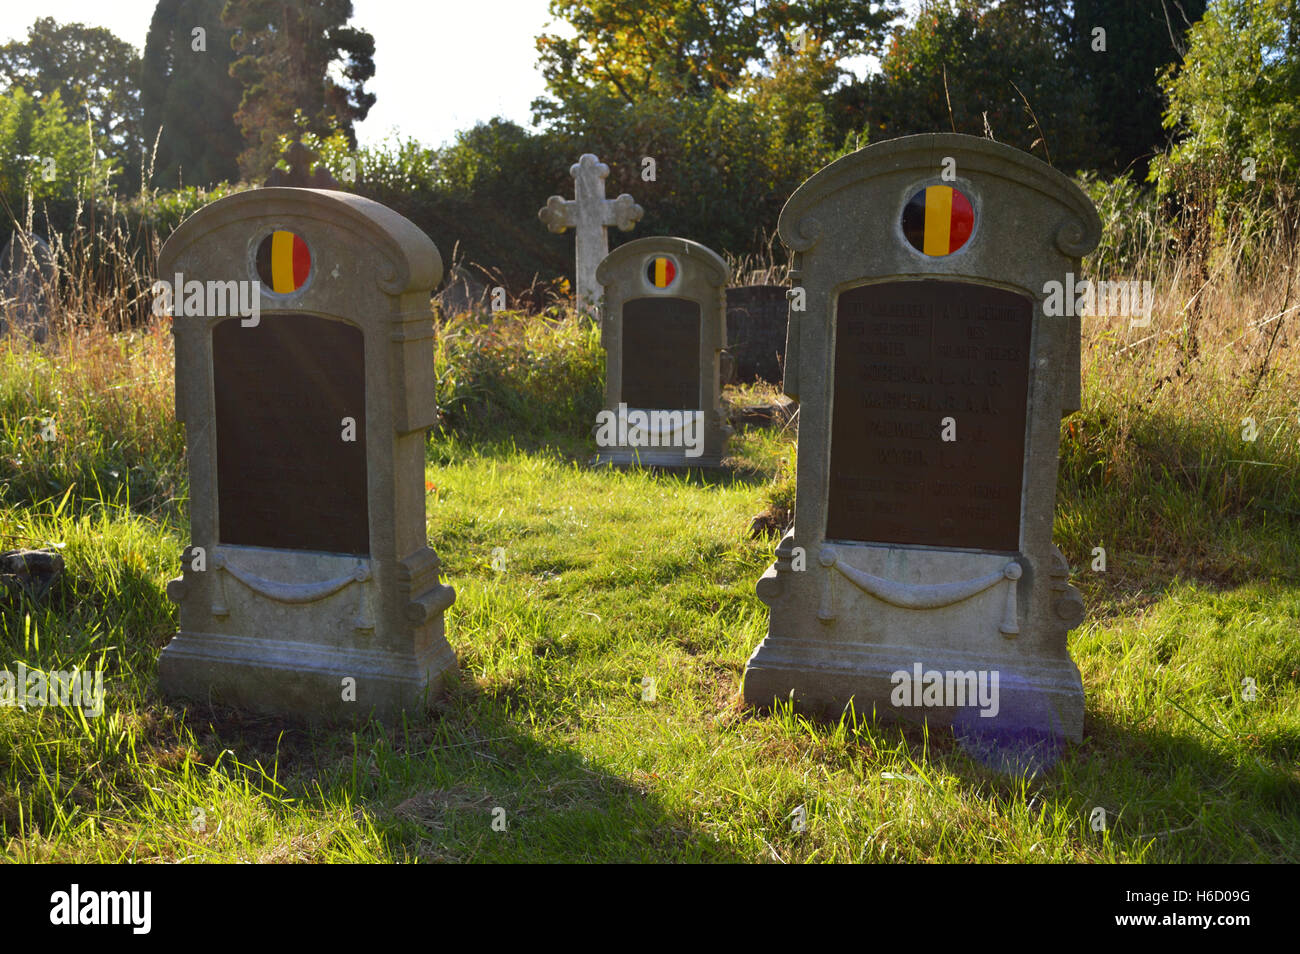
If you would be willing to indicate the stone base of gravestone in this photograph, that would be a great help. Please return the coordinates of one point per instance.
(1033, 695)
(292, 657)
(756, 323)
(779, 413)
(27, 276)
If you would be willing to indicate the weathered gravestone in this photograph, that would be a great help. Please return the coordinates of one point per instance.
(27, 278)
(589, 214)
(461, 293)
(308, 588)
(756, 327)
(920, 576)
(663, 327)
(32, 572)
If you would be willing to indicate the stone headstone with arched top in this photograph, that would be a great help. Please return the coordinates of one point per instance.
(920, 577)
(664, 326)
(304, 377)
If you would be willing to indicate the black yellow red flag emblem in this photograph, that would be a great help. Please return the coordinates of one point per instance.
(660, 271)
(938, 220)
(283, 262)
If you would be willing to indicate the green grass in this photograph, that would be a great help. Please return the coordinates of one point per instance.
(611, 578)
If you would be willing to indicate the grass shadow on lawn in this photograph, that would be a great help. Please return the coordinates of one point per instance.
(1170, 793)
(465, 782)
(1166, 795)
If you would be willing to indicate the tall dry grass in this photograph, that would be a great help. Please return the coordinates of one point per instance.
(87, 414)
(768, 266)
(1186, 456)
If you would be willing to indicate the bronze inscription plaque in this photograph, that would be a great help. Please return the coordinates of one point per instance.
(286, 477)
(661, 353)
(908, 355)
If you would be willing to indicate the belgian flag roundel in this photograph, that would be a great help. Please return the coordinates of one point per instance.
(283, 262)
(660, 271)
(938, 220)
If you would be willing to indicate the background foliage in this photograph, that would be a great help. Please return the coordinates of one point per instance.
(736, 103)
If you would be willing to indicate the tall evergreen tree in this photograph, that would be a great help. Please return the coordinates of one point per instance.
(286, 50)
(186, 90)
(1141, 39)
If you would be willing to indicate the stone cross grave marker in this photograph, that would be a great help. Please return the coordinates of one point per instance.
(308, 588)
(920, 577)
(663, 327)
(27, 277)
(589, 214)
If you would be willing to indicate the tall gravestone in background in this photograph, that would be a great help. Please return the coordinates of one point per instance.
(931, 387)
(309, 587)
(757, 316)
(589, 214)
(663, 327)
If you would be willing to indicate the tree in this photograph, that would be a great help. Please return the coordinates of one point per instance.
(92, 72)
(44, 153)
(977, 68)
(188, 93)
(724, 164)
(1237, 95)
(1141, 41)
(727, 96)
(288, 51)
(628, 49)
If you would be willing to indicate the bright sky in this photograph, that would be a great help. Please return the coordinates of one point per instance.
(440, 65)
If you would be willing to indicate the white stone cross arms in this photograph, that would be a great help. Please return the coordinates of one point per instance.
(589, 214)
